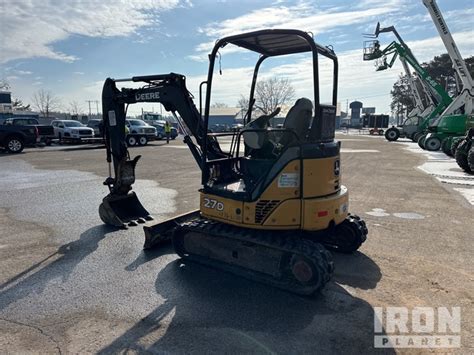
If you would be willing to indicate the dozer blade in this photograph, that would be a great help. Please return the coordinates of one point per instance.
(123, 210)
(159, 233)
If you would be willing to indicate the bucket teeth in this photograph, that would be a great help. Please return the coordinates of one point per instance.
(123, 210)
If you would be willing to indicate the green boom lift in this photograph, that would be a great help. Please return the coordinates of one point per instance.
(372, 51)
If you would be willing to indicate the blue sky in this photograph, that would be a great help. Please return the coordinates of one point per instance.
(70, 47)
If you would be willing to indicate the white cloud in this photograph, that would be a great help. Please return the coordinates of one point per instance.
(23, 72)
(30, 28)
(302, 16)
(426, 49)
(78, 73)
(357, 79)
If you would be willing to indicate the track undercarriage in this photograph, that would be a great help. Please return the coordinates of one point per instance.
(293, 260)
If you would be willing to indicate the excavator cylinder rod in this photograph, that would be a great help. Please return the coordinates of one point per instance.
(123, 210)
(161, 232)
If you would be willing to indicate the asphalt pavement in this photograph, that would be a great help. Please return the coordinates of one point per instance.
(69, 284)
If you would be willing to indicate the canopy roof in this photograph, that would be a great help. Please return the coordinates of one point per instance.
(272, 42)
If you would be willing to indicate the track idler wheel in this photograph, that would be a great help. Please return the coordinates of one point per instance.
(314, 272)
(348, 236)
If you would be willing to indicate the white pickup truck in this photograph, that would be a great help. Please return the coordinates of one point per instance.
(71, 130)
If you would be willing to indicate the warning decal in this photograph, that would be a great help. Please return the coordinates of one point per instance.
(112, 119)
(289, 180)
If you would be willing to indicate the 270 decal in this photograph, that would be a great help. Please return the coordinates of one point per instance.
(213, 204)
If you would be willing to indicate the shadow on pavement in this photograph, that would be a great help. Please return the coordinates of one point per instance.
(68, 256)
(147, 255)
(209, 311)
(356, 270)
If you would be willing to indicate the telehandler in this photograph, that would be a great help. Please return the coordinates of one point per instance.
(270, 206)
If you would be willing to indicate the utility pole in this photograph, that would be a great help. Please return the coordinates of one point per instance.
(89, 102)
(97, 107)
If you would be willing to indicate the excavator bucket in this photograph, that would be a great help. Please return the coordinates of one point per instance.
(121, 207)
(123, 210)
(160, 233)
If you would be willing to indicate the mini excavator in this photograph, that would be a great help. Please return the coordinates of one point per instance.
(271, 206)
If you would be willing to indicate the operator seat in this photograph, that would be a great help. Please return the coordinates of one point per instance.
(298, 120)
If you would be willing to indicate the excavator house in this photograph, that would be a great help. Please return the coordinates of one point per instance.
(272, 205)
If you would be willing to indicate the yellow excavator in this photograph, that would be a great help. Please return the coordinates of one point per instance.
(270, 206)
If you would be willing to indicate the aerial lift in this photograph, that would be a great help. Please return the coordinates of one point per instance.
(459, 115)
(268, 212)
(411, 126)
(372, 51)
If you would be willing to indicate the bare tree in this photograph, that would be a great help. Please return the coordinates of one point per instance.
(45, 102)
(273, 93)
(19, 105)
(75, 108)
(4, 85)
(243, 103)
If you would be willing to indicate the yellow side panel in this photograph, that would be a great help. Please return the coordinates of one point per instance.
(318, 212)
(249, 212)
(286, 184)
(216, 207)
(319, 177)
(287, 213)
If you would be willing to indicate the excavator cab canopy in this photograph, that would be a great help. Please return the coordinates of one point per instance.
(307, 122)
(270, 42)
(279, 42)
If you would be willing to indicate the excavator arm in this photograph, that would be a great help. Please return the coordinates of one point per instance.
(121, 206)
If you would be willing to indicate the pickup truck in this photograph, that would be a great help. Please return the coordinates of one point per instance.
(45, 132)
(71, 130)
(14, 138)
(139, 132)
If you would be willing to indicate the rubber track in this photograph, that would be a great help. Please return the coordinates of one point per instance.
(284, 241)
(358, 226)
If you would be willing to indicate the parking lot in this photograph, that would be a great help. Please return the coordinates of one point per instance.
(69, 284)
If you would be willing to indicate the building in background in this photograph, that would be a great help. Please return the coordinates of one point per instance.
(224, 117)
(368, 110)
(7, 110)
(6, 107)
(356, 107)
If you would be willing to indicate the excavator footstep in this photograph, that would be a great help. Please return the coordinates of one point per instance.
(123, 211)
